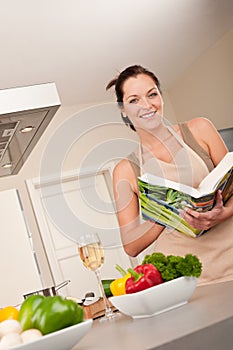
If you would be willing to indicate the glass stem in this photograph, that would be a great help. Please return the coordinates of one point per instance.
(108, 310)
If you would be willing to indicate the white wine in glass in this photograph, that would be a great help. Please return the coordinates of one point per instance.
(91, 253)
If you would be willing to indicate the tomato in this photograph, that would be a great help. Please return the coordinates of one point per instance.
(8, 312)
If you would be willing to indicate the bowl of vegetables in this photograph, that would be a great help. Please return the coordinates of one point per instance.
(160, 284)
(51, 322)
(64, 339)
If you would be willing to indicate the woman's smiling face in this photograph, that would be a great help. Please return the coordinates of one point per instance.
(142, 101)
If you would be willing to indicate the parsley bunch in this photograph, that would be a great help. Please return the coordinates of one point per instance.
(173, 266)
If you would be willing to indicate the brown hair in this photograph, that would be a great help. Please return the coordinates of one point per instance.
(132, 71)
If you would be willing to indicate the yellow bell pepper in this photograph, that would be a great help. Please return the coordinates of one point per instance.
(117, 286)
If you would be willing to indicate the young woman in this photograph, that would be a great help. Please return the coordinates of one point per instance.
(185, 153)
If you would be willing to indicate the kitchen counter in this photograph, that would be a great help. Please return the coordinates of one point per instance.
(206, 322)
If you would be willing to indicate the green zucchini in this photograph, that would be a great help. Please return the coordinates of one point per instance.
(106, 286)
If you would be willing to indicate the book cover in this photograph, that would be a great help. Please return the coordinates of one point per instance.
(161, 200)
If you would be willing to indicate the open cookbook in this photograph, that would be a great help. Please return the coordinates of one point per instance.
(161, 200)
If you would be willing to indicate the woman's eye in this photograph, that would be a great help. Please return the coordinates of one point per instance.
(134, 100)
(153, 94)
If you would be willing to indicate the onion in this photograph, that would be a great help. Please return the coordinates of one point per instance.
(9, 340)
(10, 326)
(30, 335)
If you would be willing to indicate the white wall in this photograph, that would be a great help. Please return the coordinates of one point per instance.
(18, 270)
(206, 88)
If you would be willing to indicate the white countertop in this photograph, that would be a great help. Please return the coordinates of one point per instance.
(206, 322)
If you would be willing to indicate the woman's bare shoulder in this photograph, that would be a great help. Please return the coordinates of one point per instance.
(200, 124)
(200, 127)
(203, 129)
(197, 125)
(123, 169)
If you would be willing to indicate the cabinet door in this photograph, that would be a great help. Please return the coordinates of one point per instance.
(18, 269)
(62, 251)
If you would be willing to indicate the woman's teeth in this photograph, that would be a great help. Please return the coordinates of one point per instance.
(148, 115)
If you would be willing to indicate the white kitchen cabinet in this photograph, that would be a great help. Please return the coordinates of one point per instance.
(18, 268)
(70, 204)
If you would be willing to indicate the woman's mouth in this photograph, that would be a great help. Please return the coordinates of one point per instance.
(148, 115)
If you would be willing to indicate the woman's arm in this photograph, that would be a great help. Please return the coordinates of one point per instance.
(135, 236)
(209, 138)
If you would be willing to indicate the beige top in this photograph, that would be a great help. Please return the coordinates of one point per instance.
(215, 247)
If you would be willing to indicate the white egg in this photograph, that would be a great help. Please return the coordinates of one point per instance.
(30, 335)
(11, 339)
(10, 326)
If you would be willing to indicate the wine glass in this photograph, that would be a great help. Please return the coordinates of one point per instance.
(91, 253)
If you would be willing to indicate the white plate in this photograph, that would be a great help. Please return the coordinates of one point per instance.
(64, 339)
(157, 299)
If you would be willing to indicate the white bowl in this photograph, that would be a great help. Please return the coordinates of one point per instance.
(64, 339)
(157, 299)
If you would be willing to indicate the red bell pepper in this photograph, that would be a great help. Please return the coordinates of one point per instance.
(142, 277)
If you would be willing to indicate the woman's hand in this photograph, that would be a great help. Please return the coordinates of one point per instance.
(206, 220)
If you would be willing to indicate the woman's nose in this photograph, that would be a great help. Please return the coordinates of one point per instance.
(145, 103)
